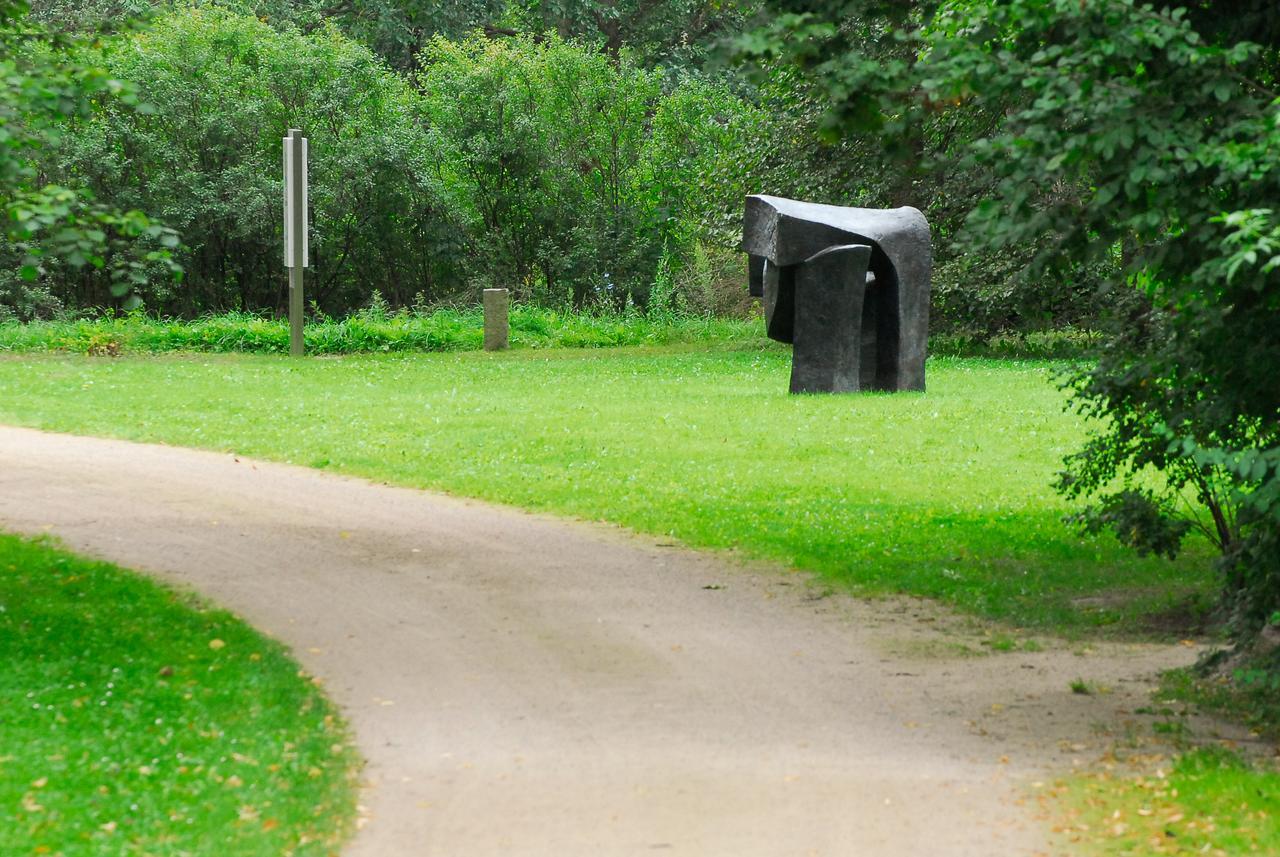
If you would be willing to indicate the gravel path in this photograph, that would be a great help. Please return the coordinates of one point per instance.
(528, 686)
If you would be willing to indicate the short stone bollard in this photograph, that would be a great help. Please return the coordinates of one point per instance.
(496, 336)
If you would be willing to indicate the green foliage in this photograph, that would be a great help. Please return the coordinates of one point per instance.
(578, 170)
(1066, 343)
(852, 127)
(704, 304)
(89, 16)
(1137, 518)
(709, 282)
(396, 31)
(993, 292)
(943, 495)
(1247, 691)
(126, 732)
(542, 166)
(44, 83)
(222, 91)
(372, 330)
(679, 33)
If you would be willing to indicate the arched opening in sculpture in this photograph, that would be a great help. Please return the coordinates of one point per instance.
(880, 333)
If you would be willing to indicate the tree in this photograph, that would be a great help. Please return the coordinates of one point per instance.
(224, 88)
(681, 33)
(394, 30)
(1147, 139)
(579, 173)
(43, 85)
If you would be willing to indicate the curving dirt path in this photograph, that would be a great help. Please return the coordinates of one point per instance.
(528, 686)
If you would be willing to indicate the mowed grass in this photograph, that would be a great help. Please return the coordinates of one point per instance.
(137, 720)
(944, 494)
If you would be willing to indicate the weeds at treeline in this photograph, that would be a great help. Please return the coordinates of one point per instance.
(368, 331)
(377, 329)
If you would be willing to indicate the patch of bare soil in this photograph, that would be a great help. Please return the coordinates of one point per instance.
(528, 686)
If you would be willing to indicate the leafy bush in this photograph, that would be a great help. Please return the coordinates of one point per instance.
(576, 171)
(542, 166)
(47, 81)
(997, 291)
(222, 89)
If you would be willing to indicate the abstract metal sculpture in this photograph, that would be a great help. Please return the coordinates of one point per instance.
(848, 286)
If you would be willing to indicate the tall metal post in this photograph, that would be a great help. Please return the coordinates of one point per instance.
(295, 230)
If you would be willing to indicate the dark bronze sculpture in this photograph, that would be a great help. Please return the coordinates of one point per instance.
(849, 287)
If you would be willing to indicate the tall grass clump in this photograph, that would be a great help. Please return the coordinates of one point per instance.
(371, 330)
(377, 329)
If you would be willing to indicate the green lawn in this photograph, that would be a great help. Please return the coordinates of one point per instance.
(1207, 801)
(137, 720)
(944, 494)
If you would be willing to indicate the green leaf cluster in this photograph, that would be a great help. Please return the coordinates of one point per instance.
(223, 88)
(579, 174)
(45, 84)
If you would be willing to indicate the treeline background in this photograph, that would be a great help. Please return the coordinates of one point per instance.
(581, 154)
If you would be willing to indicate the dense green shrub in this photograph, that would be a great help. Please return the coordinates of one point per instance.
(222, 90)
(393, 29)
(46, 82)
(578, 173)
(544, 166)
(987, 292)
